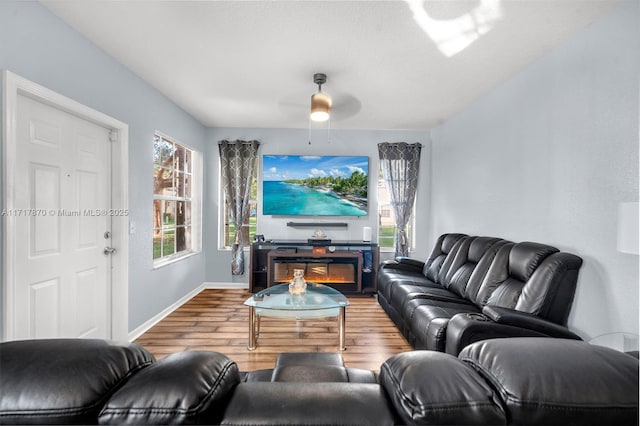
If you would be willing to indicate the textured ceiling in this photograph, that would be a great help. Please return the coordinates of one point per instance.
(403, 64)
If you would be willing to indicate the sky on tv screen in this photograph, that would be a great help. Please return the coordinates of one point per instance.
(283, 167)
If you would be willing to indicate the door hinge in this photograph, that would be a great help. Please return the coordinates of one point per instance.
(113, 136)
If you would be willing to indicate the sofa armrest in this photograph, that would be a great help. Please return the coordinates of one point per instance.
(404, 264)
(191, 387)
(524, 320)
(550, 381)
(64, 381)
(466, 328)
(407, 261)
(428, 387)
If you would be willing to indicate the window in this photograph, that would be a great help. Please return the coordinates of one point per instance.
(249, 227)
(176, 200)
(387, 220)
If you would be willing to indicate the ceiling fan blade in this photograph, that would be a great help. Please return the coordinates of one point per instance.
(345, 106)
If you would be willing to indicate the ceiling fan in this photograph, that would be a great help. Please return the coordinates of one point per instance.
(335, 105)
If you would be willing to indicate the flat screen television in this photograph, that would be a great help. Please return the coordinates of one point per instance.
(304, 185)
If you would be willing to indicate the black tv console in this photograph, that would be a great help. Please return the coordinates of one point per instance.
(346, 265)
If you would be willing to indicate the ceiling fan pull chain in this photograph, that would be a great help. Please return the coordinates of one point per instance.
(309, 130)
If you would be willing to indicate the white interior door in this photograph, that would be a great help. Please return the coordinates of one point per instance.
(62, 285)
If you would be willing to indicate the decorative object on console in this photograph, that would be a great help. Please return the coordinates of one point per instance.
(319, 238)
(295, 185)
(628, 228)
(298, 284)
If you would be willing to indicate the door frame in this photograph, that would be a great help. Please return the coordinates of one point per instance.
(13, 86)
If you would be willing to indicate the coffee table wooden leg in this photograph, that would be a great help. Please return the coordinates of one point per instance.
(341, 324)
(252, 328)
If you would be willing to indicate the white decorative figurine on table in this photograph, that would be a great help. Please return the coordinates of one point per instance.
(298, 284)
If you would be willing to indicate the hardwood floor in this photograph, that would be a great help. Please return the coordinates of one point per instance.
(217, 320)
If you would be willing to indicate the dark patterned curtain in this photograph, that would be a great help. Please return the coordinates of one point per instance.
(400, 163)
(237, 164)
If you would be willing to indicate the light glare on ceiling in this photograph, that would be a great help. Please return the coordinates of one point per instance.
(452, 36)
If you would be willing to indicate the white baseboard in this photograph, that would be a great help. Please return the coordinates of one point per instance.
(225, 285)
(144, 327)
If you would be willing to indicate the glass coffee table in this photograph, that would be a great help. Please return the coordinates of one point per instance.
(317, 301)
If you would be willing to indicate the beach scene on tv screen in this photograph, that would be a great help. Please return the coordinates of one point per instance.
(314, 185)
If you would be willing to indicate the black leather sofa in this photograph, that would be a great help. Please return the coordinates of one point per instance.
(521, 381)
(474, 288)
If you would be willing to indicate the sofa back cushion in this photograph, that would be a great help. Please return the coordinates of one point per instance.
(445, 245)
(550, 290)
(533, 278)
(63, 381)
(524, 259)
(472, 260)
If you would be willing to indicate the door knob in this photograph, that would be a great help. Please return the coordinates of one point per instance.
(109, 250)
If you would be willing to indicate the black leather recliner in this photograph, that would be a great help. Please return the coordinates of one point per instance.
(475, 288)
(519, 381)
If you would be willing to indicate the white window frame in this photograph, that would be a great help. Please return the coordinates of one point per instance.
(196, 205)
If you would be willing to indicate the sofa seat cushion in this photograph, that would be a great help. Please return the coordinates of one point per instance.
(309, 359)
(410, 307)
(388, 282)
(190, 387)
(387, 278)
(318, 367)
(309, 404)
(429, 324)
(71, 386)
(405, 289)
(310, 374)
(263, 375)
(428, 296)
(581, 384)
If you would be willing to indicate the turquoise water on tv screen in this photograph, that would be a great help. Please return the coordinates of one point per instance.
(281, 198)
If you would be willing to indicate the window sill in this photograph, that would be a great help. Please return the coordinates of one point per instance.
(392, 250)
(245, 248)
(161, 263)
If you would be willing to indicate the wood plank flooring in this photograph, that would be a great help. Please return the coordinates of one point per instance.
(217, 320)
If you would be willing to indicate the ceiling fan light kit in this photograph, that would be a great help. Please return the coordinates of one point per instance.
(320, 102)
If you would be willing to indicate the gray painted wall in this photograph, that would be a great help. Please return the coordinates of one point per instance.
(547, 157)
(292, 142)
(40, 47)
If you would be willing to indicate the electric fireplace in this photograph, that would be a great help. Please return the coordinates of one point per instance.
(339, 270)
